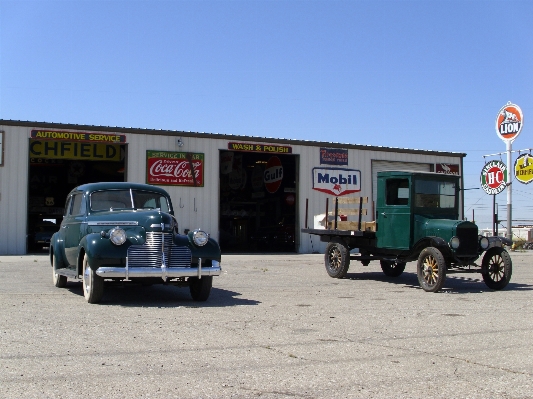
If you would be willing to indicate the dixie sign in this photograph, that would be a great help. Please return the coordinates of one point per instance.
(336, 181)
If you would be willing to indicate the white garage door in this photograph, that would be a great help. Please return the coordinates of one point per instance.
(380, 166)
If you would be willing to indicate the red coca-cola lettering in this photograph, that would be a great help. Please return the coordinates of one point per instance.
(175, 171)
(171, 169)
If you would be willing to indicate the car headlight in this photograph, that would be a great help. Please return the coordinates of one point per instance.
(117, 236)
(454, 242)
(200, 237)
(483, 242)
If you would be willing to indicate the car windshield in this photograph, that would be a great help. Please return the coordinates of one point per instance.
(128, 199)
(434, 194)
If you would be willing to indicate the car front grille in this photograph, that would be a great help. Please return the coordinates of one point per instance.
(156, 246)
(468, 237)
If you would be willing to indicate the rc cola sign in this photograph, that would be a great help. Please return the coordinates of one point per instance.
(336, 181)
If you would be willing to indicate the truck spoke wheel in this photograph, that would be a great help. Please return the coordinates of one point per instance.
(93, 284)
(431, 269)
(337, 259)
(496, 268)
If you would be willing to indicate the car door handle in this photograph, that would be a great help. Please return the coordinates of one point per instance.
(384, 214)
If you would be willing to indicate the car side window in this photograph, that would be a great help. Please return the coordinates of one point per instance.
(78, 205)
(68, 206)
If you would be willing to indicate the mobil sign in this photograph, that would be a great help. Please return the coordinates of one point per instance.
(336, 181)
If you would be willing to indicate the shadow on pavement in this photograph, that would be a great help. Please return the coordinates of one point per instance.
(161, 296)
(455, 282)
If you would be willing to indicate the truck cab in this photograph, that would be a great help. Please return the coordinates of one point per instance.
(416, 209)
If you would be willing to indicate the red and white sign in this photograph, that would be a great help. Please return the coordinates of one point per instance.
(509, 122)
(273, 175)
(447, 169)
(336, 181)
(494, 177)
(174, 168)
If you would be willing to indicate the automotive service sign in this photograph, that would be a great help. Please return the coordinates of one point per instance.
(523, 168)
(509, 122)
(494, 177)
(336, 181)
(174, 168)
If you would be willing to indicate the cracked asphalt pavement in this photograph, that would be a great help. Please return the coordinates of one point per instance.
(275, 326)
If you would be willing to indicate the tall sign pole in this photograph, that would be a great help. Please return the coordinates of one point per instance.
(509, 123)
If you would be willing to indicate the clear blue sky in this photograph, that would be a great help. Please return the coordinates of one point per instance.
(414, 74)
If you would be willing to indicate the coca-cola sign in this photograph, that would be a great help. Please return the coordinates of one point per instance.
(165, 168)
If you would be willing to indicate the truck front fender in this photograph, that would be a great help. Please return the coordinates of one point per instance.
(431, 241)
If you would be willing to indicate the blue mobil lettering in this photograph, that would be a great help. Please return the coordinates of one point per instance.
(340, 179)
(336, 181)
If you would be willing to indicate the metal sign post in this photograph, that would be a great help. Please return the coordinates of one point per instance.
(509, 123)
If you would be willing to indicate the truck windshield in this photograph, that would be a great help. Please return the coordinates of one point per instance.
(128, 199)
(434, 194)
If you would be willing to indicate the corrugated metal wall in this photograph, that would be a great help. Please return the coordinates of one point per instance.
(13, 190)
(195, 207)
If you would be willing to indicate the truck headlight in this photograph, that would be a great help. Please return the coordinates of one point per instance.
(117, 236)
(483, 242)
(200, 237)
(454, 242)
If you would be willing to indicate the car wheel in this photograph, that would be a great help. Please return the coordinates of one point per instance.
(431, 269)
(200, 287)
(93, 285)
(59, 280)
(391, 268)
(496, 268)
(337, 259)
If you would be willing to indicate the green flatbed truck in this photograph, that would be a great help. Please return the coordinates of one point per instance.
(416, 219)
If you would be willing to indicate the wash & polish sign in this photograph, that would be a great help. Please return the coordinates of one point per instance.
(336, 181)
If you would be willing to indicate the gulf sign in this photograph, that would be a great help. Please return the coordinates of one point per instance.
(336, 181)
(509, 122)
(494, 177)
(273, 174)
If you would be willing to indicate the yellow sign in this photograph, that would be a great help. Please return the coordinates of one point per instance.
(74, 150)
(523, 168)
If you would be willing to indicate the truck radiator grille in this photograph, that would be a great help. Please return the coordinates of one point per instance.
(156, 246)
(468, 237)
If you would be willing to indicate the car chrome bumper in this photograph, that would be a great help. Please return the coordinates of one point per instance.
(164, 272)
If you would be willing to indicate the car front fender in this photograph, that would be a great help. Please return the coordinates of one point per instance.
(57, 249)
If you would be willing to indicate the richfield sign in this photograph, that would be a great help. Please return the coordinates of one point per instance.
(494, 177)
(336, 181)
(175, 168)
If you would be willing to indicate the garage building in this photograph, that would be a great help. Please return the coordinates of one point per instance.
(252, 194)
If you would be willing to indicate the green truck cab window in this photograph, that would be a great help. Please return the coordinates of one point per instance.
(435, 194)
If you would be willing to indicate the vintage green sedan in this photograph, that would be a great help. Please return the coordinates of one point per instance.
(128, 232)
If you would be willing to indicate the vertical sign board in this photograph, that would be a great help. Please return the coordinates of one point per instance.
(1, 148)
